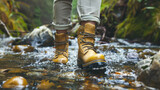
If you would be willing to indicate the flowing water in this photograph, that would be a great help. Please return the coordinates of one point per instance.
(120, 73)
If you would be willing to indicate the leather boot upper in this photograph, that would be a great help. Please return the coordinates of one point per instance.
(86, 52)
(61, 45)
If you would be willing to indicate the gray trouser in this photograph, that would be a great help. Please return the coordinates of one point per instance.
(88, 10)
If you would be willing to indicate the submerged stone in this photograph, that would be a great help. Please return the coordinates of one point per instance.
(67, 75)
(37, 74)
(23, 48)
(89, 86)
(15, 82)
(45, 85)
(4, 70)
(16, 70)
(70, 75)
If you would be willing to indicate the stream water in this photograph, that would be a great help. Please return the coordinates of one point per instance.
(121, 73)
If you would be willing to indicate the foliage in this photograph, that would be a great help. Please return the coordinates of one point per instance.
(38, 12)
(142, 21)
(24, 15)
(111, 15)
(132, 19)
(10, 15)
(106, 4)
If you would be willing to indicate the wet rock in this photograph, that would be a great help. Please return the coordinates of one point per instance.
(107, 48)
(36, 74)
(16, 70)
(150, 70)
(2, 75)
(45, 85)
(15, 82)
(16, 49)
(4, 70)
(41, 36)
(89, 86)
(23, 48)
(70, 75)
(67, 75)
(39, 70)
(146, 53)
(54, 78)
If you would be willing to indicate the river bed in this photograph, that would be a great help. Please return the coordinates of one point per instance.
(120, 72)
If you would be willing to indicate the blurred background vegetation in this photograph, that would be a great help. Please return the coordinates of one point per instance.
(137, 20)
(24, 16)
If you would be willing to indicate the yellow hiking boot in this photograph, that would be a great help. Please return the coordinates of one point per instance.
(87, 56)
(61, 45)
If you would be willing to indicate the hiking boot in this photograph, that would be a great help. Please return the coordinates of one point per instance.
(87, 56)
(61, 45)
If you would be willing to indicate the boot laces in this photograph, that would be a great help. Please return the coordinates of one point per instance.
(87, 45)
(61, 51)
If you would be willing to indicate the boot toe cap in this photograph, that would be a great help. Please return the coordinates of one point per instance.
(63, 60)
(96, 57)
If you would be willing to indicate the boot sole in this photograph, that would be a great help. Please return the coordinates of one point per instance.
(93, 65)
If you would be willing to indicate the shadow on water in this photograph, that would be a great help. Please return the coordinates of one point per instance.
(120, 72)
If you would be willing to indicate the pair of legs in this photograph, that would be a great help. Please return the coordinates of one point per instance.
(89, 12)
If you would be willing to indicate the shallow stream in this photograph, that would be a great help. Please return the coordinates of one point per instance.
(121, 73)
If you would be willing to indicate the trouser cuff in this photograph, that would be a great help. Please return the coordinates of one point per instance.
(90, 18)
(62, 27)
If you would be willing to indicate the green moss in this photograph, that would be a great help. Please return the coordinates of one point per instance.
(141, 22)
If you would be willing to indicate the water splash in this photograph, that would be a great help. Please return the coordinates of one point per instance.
(120, 70)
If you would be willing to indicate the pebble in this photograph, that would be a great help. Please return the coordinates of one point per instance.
(23, 48)
(45, 85)
(15, 82)
(36, 74)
